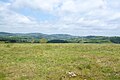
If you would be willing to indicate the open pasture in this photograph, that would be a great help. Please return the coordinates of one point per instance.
(59, 61)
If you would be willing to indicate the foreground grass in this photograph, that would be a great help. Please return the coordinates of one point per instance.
(54, 61)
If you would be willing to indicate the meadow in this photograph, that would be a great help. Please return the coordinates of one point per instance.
(59, 61)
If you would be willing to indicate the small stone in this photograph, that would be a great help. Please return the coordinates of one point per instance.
(72, 74)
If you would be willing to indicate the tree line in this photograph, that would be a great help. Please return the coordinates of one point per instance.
(71, 40)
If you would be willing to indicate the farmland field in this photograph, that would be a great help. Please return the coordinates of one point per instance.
(57, 61)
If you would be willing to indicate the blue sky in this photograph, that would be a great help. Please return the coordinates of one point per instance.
(76, 17)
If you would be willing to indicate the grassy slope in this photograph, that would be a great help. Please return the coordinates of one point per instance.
(54, 61)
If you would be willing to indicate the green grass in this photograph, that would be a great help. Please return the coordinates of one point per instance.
(54, 61)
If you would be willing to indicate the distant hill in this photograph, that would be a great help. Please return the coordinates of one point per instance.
(6, 34)
(38, 35)
(55, 38)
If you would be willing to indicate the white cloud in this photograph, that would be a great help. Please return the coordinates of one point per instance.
(10, 18)
(62, 5)
(82, 5)
(114, 4)
(48, 5)
(73, 14)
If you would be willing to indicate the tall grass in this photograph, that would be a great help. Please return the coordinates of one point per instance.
(55, 61)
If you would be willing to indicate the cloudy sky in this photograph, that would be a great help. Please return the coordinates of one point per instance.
(76, 17)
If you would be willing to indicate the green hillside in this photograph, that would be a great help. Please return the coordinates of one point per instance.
(54, 38)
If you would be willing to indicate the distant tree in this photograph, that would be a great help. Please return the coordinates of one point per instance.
(57, 41)
(43, 40)
(32, 41)
(12, 41)
(115, 39)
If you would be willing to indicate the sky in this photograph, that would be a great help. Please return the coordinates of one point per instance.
(75, 17)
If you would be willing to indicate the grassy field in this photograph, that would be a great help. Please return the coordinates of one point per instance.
(59, 61)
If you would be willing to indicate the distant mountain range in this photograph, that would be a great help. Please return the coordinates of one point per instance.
(58, 38)
(38, 35)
